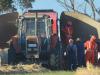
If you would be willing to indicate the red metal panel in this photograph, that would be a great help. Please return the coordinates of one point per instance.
(53, 15)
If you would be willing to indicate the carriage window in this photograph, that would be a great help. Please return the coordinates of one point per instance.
(30, 26)
(40, 26)
(49, 26)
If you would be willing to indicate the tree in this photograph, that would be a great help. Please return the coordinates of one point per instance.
(70, 5)
(11, 5)
(5, 4)
(25, 3)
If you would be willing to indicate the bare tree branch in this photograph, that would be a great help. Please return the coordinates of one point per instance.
(72, 4)
(85, 8)
(91, 3)
(65, 4)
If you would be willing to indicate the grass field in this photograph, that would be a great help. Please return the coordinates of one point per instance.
(29, 70)
(46, 73)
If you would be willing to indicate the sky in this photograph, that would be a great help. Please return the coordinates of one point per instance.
(53, 4)
(48, 4)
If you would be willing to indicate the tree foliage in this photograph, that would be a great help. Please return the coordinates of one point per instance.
(25, 3)
(6, 5)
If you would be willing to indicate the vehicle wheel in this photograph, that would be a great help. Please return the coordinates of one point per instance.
(54, 61)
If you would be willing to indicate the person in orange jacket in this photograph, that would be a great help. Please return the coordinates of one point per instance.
(91, 47)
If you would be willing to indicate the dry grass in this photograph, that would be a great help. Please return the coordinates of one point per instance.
(21, 68)
(35, 69)
(90, 70)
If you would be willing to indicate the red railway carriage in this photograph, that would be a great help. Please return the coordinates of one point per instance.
(52, 15)
(34, 38)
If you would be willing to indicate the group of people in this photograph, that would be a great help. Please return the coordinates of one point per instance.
(75, 54)
(78, 53)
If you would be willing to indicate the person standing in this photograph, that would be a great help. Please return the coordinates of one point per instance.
(80, 52)
(72, 55)
(68, 32)
(91, 47)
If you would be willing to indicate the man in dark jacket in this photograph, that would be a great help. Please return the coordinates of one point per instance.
(80, 52)
(72, 55)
